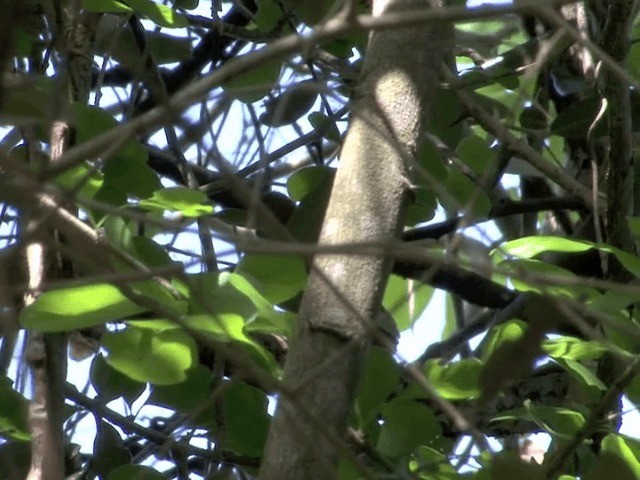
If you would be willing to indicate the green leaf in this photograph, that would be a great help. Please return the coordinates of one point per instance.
(135, 472)
(161, 15)
(465, 195)
(509, 466)
(150, 252)
(615, 460)
(582, 373)
(533, 118)
(13, 412)
(576, 120)
(540, 268)
(406, 300)
(571, 348)
(406, 426)
(189, 202)
(191, 396)
(289, 106)
(557, 421)
(275, 284)
(454, 381)
(430, 159)
(268, 15)
(529, 247)
(160, 357)
(110, 383)
(422, 206)
(324, 126)
(186, 4)
(444, 120)
(109, 451)
(81, 181)
(304, 181)
(15, 459)
(73, 308)
(105, 6)
(379, 380)
(244, 409)
(474, 152)
(253, 85)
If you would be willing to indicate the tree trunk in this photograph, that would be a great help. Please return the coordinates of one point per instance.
(399, 77)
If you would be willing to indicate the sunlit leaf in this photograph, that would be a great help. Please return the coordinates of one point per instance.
(161, 15)
(189, 202)
(277, 285)
(13, 412)
(454, 381)
(159, 357)
(406, 300)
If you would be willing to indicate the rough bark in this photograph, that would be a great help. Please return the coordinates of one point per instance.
(367, 204)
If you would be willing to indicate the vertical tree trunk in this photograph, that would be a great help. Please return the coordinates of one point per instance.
(400, 74)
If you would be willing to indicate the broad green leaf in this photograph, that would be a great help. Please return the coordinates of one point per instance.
(324, 126)
(161, 15)
(572, 348)
(151, 253)
(160, 357)
(406, 426)
(186, 4)
(304, 181)
(581, 373)
(434, 462)
(292, 104)
(110, 383)
(275, 284)
(465, 195)
(29, 100)
(576, 120)
(615, 460)
(454, 381)
(213, 293)
(406, 299)
(15, 459)
(509, 466)
(533, 118)
(83, 182)
(422, 206)
(73, 308)
(189, 397)
(105, 6)
(529, 247)
(246, 422)
(254, 84)
(557, 421)
(111, 197)
(109, 450)
(189, 202)
(306, 221)
(430, 159)
(127, 168)
(268, 15)
(474, 152)
(540, 268)
(13, 412)
(380, 378)
(507, 332)
(224, 328)
(445, 115)
(135, 472)
(309, 12)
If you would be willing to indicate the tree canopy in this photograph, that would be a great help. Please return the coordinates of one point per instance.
(227, 208)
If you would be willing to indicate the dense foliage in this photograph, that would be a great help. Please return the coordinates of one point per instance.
(181, 216)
